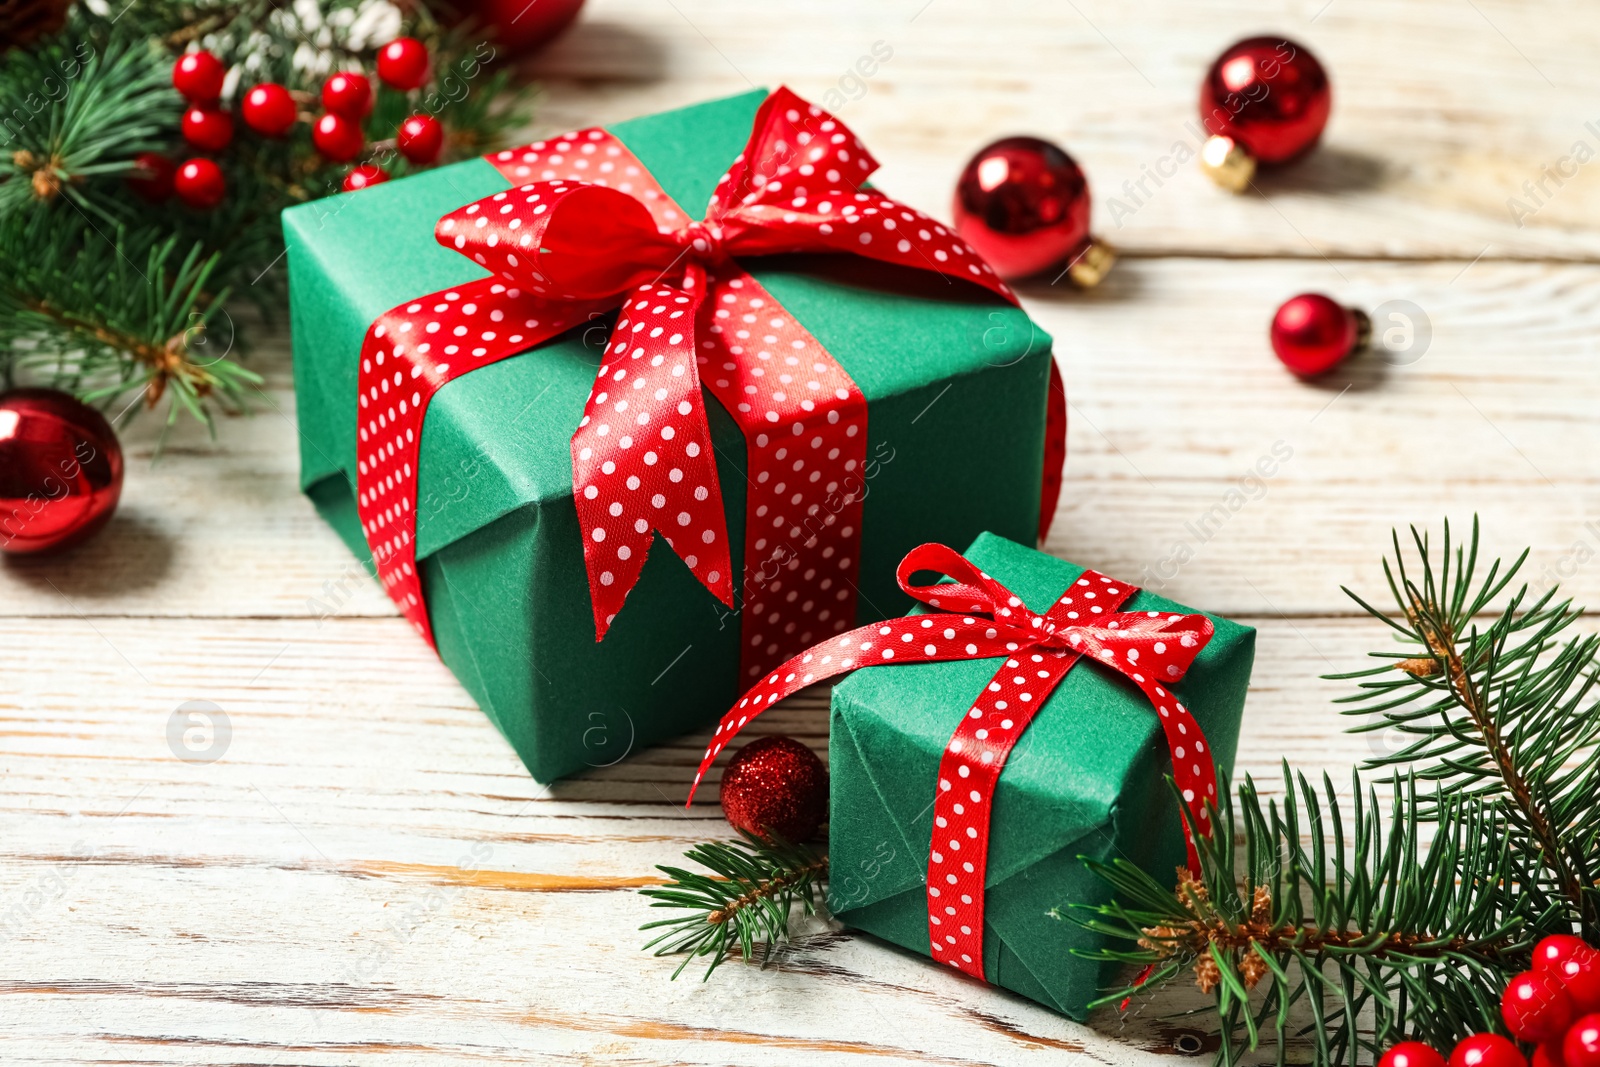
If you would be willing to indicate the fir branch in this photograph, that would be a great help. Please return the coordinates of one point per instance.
(748, 898)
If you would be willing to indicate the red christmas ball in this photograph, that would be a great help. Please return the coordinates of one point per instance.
(516, 26)
(269, 109)
(1536, 1007)
(1581, 1048)
(364, 176)
(1311, 333)
(1411, 1054)
(777, 785)
(1551, 952)
(403, 63)
(349, 94)
(1269, 95)
(337, 138)
(1486, 1050)
(420, 138)
(152, 176)
(1023, 204)
(207, 128)
(198, 76)
(60, 471)
(199, 183)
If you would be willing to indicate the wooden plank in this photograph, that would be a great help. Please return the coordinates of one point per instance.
(367, 872)
(1442, 111)
(1175, 396)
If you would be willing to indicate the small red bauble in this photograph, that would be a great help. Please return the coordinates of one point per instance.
(420, 138)
(60, 471)
(349, 94)
(208, 128)
(1411, 1054)
(1266, 100)
(1582, 1045)
(1536, 1007)
(364, 176)
(1547, 1056)
(1551, 952)
(517, 26)
(198, 76)
(269, 109)
(776, 784)
(1311, 333)
(1024, 205)
(1486, 1050)
(337, 138)
(199, 183)
(403, 63)
(152, 176)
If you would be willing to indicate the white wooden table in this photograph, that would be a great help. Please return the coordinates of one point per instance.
(368, 875)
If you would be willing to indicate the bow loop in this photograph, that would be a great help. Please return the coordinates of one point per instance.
(562, 239)
(972, 591)
(794, 145)
(1142, 645)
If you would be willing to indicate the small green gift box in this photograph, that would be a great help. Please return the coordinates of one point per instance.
(955, 380)
(1087, 779)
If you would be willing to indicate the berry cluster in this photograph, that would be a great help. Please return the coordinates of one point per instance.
(1555, 1008)
(272, 110)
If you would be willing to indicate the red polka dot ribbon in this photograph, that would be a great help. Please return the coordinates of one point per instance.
(587, 229)
(979, 619)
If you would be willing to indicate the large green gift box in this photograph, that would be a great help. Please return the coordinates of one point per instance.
(955, 379)
(1088, 778)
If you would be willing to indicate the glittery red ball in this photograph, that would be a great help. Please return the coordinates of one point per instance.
(1270, 95)
(1536, 1007)
(1023, 204)
(60, 470)
(1311, 333)
(1486, 1050)
(776, 784)
(1582, 1045)
(1411, 1054)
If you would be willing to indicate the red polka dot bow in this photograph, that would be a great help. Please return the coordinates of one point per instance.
(980, 619)
(587, 229)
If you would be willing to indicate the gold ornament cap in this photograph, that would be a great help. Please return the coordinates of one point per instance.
(1227, 163)
(1090, 266)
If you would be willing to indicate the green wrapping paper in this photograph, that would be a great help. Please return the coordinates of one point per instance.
(1088, 778)
(955, 379)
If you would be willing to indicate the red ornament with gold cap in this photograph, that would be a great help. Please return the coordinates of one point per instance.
(1264, 102)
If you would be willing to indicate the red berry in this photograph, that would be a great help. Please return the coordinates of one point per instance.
(151, 177)
(1548, 1056)
(269, 110)
(1580, 973)
(1536, 1007)
(337, 138)
(199, 183)
(1486, 1050)
(403, 63)
(198, 76)
(208, 128)
(1411, 1054)
(1551, 952)
(420, 138)
(366, 175)
(349, 94)
(1311, 333)
(1582, 1045)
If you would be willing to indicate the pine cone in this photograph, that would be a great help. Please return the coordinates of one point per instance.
(24, 21)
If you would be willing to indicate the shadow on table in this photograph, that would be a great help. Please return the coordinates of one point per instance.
(1330, 170)
(129, 555)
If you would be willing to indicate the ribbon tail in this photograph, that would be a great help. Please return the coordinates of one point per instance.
(1055, 450)
(642, 458)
